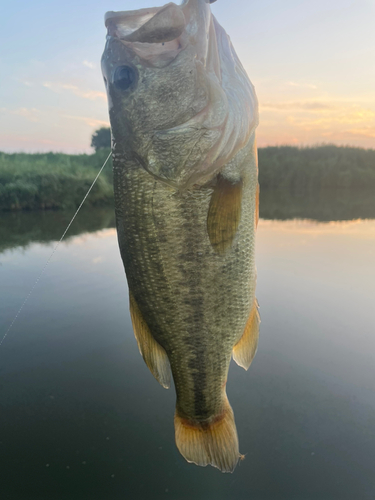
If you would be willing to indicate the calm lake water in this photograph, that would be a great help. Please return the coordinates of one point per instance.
(81, 417)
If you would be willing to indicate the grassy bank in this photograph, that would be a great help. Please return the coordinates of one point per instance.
(310, 170)
(59, 181)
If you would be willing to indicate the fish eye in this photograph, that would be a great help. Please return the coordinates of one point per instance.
(125, 77)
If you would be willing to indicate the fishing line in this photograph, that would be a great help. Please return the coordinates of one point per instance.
(54, 251)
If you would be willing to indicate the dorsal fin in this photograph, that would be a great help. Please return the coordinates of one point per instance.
(154, 355)
(224, 213)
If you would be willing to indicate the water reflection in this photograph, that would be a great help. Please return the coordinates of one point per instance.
(19, 229)
(81, 415)
(82, 418)
(326, 205)
(22, 228)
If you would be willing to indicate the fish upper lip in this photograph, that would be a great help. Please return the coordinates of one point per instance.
(147, 12)
(130, 14)
(123, 24)
(151, 25)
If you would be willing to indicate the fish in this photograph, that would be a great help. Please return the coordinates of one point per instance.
(183, 116)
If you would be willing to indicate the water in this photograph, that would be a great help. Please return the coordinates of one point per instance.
(81, 417)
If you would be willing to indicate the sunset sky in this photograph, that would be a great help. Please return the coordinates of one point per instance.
(312, 64)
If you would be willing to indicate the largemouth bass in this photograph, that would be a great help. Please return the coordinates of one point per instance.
(183, 116)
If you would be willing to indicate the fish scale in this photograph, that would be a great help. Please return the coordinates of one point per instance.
(183, 116)
(191, 296)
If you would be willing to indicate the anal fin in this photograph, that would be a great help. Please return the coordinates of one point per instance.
(209, 443)
(245, 350)
(224, 214)
(154, 355)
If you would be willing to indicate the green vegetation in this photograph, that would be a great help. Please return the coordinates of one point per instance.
(322, 183)
(325, 183)
(310, 170)
(59, 181)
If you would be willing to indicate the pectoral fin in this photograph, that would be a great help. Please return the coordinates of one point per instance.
(224, 214)
(245, 350)
(154, 355)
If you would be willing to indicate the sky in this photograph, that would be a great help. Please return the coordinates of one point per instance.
(312, 64)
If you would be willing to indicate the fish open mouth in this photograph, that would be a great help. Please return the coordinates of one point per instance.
(153, 25)
(127, 22)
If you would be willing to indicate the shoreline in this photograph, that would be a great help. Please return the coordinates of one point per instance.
(56, 181)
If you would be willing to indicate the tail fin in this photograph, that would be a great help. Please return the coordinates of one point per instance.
(211, 443)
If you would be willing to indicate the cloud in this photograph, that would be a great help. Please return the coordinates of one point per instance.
(101, 234)
(320, 113)
(302, 85)
(92, 122)
(311, 121)
(308, 105)
(89, 64)
(25, 82)
(31, 114)
(363, 132)
(339, 115)
(85, 94)
(360, 133)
